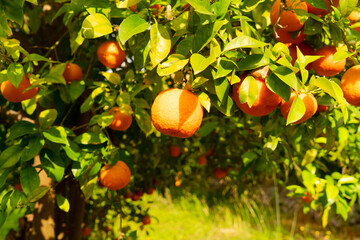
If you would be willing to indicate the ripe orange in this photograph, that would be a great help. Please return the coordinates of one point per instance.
(202, 160)
(307, 198)
(322, 108)
(133, 8)
(115, 177)
(86, 231)
(326, 66)
(177, 113)
(310, 102)
(146, 220)
(319, 11)
(220, 172)
(354, 17)
(157, 7)
(121, 121)
(150, 190)
(174, 151)
(289, 21)
(304, 49)
(72, 73)
(265, 103)
(350, 85)
(13, 94)
(110, 54)
(209, 152)
(135, 197)
(285, 37)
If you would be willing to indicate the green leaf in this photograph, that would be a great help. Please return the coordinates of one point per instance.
(112, 77)
(3, 176)
(11, 221)
(225, 67)
(20, 129)
(297, 110)
(199, 63)
(47, 118)
(309, 157)
(334, 90)
(243, 42)
(222, 87)
(56, 74)
(325, 216)
(53, 165)
(250, 5)
(206, 34)
(76, 88)
(174, 63)
(201, 6)
(248, 91)
(36, 195)
(141, 103)
(180, 23)
(103, 120)
(96, 25)
(88, 103)
(91, 138)
(11, 156)
(56, 134)
(248, 157)
(13, 10)
(62, 203)
(317, 4)
(205, 100)
(131, 26)
(143, 120)
(342, 208)
(225, 106)
(331, 193)
(198, 81)
(33, 57)
(286, 75)
(160, 43)
(207, 128)
(36, 143)
(346, 7)
(126, 3)
(29, 105)
(73, 151)
(29, 179)
(253, 61)
(277, 86)
(15, 73)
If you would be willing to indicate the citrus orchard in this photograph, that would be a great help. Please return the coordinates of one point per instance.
(110, 54)
(13, 94)
(326, 66)
(72, 73)
(350, 85)
(121, 121)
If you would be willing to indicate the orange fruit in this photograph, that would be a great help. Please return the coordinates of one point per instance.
(310, 102)
(304, 49)
(115, 177)
(307, 198)
(220, 172)
(72, 72)
(157, 7)
(133, 8)
(289, 21)
(121, 121)
(285, 37)
(326, 66)
(18, 187)
(350, 85)
(13, 94)
(319, 11)
(202, 160)
(265, 103)
(209, 152)
(354, 17)
(86, 231)
(110, 54)
(174, 151)
(135, 197)
(177, 113)
(150, 190)
(146, 220)
(322, 108)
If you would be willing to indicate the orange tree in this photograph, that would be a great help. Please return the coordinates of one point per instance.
(78, 82)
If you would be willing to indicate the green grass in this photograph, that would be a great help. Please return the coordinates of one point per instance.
(190, 218)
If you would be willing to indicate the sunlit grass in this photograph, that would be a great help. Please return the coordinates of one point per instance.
(190, 218)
